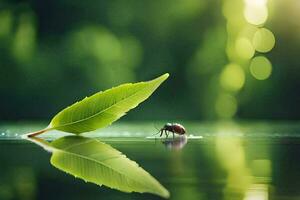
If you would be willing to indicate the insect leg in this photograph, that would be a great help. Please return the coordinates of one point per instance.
(167, 134)
(173, 135)
(161, 132)
(156, 133)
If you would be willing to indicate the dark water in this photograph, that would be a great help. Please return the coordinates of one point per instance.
(247, 161)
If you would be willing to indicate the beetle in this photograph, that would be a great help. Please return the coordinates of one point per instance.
(174, 128)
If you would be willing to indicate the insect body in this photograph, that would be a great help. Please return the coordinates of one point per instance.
(173, 128)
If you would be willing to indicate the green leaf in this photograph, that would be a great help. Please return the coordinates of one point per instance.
(99, 163)
(103, 108)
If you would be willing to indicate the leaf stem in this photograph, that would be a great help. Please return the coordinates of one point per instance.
(33, 134)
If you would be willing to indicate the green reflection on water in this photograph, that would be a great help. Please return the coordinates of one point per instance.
(232, 161)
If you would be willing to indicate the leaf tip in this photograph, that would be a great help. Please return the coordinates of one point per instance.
(165, 76)
(163, 192)
(161, 78)
(166, 194)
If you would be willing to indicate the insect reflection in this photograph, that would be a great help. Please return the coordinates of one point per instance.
(176, 143)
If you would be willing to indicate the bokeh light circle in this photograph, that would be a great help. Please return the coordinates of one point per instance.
(226, 106)
(256, 2)
(255, 14)
(232, 77)
(263, 40)
(260, 68)
(244, 48)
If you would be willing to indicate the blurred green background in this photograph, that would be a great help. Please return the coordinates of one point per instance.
(227, 59)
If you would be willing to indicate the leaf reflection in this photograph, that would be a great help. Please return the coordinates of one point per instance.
(99, 163)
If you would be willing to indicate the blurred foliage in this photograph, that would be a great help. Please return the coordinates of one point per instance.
(53, 53)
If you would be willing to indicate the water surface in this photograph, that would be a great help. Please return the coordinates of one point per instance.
(247, 161)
